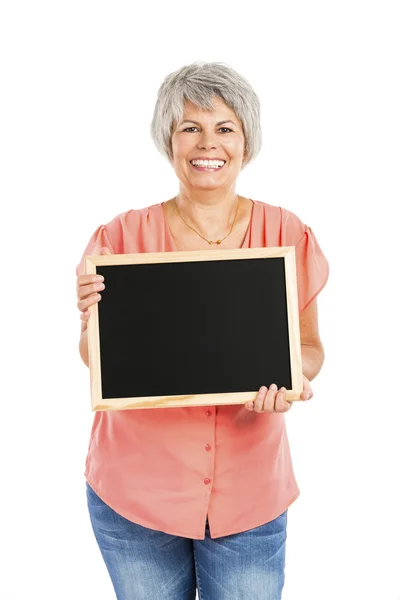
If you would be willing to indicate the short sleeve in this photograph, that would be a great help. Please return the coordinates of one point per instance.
(312, 268)
(99, 239)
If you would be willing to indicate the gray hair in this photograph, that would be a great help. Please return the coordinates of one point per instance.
(199, 83)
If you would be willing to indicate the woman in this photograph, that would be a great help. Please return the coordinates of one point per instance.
(197, 497)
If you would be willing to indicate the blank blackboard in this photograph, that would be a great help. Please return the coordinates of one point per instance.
(193, 328)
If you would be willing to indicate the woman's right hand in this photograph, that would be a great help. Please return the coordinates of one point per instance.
(87, 290)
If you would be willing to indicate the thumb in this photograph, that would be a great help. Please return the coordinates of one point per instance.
(105, 250)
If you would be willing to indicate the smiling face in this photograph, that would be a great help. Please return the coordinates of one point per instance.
(203, 136)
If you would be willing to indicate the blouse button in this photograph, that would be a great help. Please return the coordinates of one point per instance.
(207, 481)
(208, 447)
(209, 413)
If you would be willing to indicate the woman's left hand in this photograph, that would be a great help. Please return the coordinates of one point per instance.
(272, 400)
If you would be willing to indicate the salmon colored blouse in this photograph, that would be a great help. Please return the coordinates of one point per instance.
(168, 468)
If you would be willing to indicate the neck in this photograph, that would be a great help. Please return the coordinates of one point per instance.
(210, 212)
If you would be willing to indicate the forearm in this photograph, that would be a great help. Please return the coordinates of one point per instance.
(312, 360)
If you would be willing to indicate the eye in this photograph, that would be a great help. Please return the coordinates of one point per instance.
(226, 129)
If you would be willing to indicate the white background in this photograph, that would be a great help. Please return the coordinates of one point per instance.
(79, 82)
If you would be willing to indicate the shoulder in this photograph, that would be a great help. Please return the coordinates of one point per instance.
(136, 214)
(290, 226)
(128, 219)
(133, 214)
(136, 230)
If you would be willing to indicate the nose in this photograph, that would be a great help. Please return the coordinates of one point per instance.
(207, 141)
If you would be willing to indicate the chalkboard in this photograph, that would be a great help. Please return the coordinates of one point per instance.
(193, 328)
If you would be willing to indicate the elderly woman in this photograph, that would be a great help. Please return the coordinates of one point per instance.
(196, 498)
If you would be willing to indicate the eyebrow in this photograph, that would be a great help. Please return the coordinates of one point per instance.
(197, 123)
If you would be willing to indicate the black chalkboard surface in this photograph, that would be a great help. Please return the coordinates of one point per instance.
(193, 328)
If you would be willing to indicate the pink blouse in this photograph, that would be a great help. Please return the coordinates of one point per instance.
(168, 468)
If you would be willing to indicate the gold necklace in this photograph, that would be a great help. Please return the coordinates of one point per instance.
(202, 236)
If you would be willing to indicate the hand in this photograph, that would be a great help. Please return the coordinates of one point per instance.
(87, 288)
(273, 400)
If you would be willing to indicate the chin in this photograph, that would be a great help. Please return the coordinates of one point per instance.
(207, 186)
(203, 182)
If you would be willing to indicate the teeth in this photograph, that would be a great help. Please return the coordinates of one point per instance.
(208, 163)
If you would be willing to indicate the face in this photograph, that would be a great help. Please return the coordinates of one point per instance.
(208, 135)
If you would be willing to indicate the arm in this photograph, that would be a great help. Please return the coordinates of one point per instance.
(88, 290)
(312, 351)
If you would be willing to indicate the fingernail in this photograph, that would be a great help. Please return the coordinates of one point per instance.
(99, 278)
(273, 387)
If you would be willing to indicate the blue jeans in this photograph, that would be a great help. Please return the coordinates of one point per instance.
(145, 564)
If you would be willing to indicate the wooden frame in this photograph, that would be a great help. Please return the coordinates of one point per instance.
(286, 252)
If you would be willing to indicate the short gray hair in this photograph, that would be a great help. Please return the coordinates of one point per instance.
(199, 83)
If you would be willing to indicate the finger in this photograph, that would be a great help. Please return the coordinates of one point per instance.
(85, 290)
(259, 401)
(307, 393)
(281, 404)
(86, 279)
(105, 250)
(269, 402)
(84, 304)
